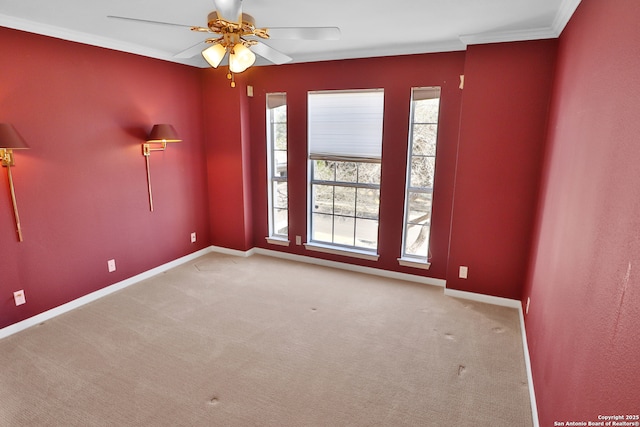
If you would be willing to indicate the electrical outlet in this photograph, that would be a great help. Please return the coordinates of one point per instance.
(526, 309)
(298, 240)
(111, 265)
(18, 296)
(464, 272)
(193, 237)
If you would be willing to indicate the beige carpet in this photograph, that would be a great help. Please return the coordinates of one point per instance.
(259, 341)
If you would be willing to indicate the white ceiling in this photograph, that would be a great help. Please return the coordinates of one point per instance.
(367, 29)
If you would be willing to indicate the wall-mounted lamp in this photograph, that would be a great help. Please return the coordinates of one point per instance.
(157, 141)
(11, 140)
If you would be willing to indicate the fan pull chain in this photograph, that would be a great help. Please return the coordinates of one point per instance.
(231, 77)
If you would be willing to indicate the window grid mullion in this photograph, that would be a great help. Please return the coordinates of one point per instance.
(333, 214)
(355, 204)
(355, 207)
(346, 184)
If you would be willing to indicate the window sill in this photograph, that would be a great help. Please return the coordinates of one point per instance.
(336, 250)
(277, 241)
(410, 262)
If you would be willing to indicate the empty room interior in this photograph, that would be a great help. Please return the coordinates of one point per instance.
(350, 213)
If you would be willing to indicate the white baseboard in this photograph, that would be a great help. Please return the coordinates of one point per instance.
(506, 302)
(64, 308)
(227, 251)
(527, 362)
(344, 266)
(50, 314)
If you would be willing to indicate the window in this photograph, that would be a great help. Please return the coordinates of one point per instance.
(345, 151)
(277, 168)
(423, 131)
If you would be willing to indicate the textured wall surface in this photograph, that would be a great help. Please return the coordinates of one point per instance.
(82, 188)
(584, 318)
(502, 131)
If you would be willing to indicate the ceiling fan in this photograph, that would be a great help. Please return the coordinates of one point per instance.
(236, 34)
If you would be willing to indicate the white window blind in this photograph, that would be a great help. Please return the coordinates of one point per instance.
(346, 125)
(275, 100)
(422, 93)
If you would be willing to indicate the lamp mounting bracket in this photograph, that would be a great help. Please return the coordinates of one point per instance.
(6, 157)
(148, 147)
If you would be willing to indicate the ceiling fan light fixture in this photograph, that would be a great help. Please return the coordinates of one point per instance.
(241, 58)
(214, 54)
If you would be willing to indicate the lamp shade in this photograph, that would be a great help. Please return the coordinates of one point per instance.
(214, 54)
(163, 133)
(241, 58)
(10, 138)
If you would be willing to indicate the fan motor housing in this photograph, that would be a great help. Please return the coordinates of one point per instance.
(213, 18)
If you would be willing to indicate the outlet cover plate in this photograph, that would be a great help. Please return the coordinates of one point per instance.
(464, 272)
(18, 296)
(193, 237)
(111, 265)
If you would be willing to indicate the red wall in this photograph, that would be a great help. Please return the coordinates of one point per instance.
(397, 75)
(81, 188)
(228, 148)
(584, 318)
(502, 131)
(493, 165)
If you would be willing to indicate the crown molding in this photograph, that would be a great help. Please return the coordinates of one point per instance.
(385, 51)
(509, 36)
(85, 38)
(564, 14)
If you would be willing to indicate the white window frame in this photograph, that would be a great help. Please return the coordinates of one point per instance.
(275, 100)
(363, 150)
(412, 260)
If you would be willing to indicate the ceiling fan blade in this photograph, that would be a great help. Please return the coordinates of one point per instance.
(230, 10)
(270, 54)
(305, 33)
(192, 51)
(146, 21)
